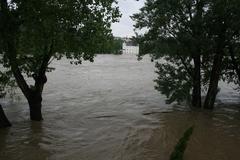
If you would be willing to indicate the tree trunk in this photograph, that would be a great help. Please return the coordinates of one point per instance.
(214, 79)
(9, 32)
(35, 106)
(196, 93)
(3, 119)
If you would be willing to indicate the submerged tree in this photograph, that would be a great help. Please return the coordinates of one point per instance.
(33, 33)
(190, 34)
(175, 29)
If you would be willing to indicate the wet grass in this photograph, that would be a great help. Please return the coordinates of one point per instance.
(181, 146)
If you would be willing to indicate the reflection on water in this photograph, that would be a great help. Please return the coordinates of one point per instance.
(109, 110)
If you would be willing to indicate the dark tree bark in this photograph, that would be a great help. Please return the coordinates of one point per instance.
(214, 79)
(4, 122)
(216, 69)
(195, 75)
(33, 94)
(35, 106)
(196, 93)
(35, 98)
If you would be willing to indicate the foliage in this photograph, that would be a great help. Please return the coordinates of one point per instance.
(3, 82)
(75, 29)
(33, 33)
(174, 31)
(187, 31)
(7, 83)
(181, 146)
(173, 80)
(170, 27)
(112, 46)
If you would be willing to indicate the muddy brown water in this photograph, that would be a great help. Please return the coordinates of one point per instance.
(109, 110)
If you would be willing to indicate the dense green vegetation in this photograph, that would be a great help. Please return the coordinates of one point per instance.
(33, 33)
(112, 46)
(197, 42)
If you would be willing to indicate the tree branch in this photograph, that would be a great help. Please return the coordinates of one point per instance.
(46, 59)
(11, 52)
(189, 71)
(16, 71)
(40, 78)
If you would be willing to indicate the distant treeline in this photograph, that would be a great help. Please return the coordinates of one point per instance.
(112, 46)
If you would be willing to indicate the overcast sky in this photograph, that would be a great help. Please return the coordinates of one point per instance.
(125, 26)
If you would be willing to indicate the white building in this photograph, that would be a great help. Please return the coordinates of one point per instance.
(129, 47)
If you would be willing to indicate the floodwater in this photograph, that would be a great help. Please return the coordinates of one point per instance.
(109, 110)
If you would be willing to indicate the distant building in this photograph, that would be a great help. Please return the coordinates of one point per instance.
(129, 47)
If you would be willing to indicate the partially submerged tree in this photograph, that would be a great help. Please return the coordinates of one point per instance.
(190, 34)
(33, 33)
(175, 29)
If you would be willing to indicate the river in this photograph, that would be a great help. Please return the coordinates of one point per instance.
(109, 110)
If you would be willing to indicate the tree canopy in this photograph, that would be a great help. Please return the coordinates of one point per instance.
(75, 29)
(33, 33)
(194, 37)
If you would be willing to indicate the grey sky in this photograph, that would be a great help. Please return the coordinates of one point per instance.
(125, 26)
